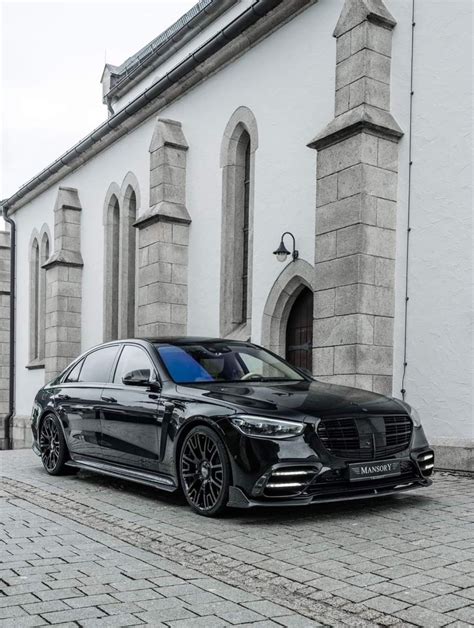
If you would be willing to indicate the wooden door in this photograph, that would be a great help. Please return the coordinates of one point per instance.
(299, 331)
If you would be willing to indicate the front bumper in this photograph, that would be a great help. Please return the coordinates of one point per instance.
(300, 471)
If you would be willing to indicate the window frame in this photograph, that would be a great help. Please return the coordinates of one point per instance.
(155, 372)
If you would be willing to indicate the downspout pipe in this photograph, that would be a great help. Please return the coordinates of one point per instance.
(11, 395)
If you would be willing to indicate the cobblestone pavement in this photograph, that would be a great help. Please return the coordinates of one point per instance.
(89, 551)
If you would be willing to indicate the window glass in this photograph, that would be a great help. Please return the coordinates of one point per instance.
(134, 359)
(74, 373)
(98, 365)
(223, 362)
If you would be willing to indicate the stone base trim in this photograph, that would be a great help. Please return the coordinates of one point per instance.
(454, 454)
(21, 435)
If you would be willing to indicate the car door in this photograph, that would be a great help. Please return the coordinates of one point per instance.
(131, 413)
(78, 399)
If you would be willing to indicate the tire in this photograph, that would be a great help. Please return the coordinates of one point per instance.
(204, 471)
(54, 451)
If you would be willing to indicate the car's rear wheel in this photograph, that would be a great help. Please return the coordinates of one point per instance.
(204, 471)
(54, 452)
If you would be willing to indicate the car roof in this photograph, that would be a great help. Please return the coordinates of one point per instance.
(184, 340)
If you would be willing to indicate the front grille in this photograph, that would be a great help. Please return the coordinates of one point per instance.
(365, 438)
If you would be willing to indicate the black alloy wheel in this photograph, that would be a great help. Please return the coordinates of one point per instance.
(204, 471)
(53, 447)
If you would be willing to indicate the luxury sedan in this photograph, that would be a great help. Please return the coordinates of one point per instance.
(228, 423)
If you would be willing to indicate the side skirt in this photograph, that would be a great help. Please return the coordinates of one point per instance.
(163, 482)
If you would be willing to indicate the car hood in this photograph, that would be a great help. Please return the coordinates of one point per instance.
(293, 399)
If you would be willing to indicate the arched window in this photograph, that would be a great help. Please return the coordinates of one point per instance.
(43, 255)
(120, 214)
(34, 299)
(112, 268)
(237, 161)
(128, 254)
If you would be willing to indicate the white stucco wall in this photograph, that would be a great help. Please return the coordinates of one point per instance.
(288, 83)
(440, 355)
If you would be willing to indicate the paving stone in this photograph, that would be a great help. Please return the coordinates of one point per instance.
(424, 617)
(122, 555)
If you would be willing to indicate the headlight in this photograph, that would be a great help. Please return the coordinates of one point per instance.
(414, 416)
(261, 427)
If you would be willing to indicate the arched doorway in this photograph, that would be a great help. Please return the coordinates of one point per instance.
(299, 331)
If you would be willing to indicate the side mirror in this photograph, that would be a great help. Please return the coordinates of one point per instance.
(139, 378)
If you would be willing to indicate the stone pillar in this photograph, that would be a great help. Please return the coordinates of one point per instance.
(4, 332)
(356, 207)
(163, 237)
(64, 285)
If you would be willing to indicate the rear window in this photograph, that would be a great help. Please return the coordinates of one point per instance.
(98, 365)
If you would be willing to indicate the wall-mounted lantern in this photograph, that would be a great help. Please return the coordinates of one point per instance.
(282, 252)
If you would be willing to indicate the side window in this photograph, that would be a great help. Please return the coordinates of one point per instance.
(133, 358)
(98, 365)
(73, 375)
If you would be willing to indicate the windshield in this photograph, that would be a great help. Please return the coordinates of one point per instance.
(222, 362)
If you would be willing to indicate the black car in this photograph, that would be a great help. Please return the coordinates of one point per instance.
(229, 423)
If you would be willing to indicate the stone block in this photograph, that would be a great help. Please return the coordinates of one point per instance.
(386, 213)
(179, 314)
(337, 330)
(325, 246)
(359, 208)
(155, 232)
(343, 47)
(181, 234)
(387, 154)
(168, 174)
(167, 192)
(368, 91)
(359, 148)
(383, 384)
(323, 361)
(380, 182)
(345, 360)
(383, 331)
(374, 360)
(384, 272)
(154, 313)
(371, 36)
(324, 303)
(179, 274)
(167, 293)
(350, 181)
(168, 156)
(159, 271)
(364, 299)
(326, 190)
(366, 239)
(365, 63)
(366, 382)
(345, 270)
(342, 100)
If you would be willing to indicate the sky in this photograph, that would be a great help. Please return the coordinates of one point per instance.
(52, 57)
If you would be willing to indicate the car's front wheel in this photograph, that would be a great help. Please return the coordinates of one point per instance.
(204, 471)
(54, 452)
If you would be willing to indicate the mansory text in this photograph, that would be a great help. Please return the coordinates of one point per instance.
(228, 423)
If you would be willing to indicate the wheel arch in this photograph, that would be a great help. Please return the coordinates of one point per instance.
(184, 431)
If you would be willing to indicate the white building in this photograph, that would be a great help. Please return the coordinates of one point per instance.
(244, 120)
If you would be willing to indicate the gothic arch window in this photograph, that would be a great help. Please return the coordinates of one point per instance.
(238, 173)
(42, 295)
(112, 268)
(120, 214)
(129, 248)
(34, 298)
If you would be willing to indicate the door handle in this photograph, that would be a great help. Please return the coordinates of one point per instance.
(111, 399)
(63, 397)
